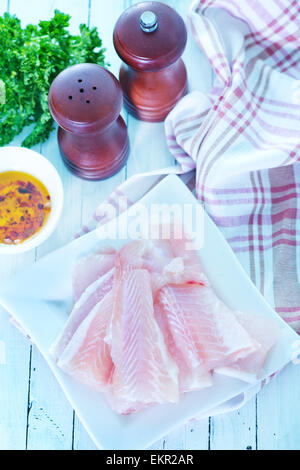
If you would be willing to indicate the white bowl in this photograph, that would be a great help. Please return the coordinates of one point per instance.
(33, 163)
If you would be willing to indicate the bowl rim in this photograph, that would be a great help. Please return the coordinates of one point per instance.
(42, 235)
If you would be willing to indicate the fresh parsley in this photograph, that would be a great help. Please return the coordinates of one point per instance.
(30, 58)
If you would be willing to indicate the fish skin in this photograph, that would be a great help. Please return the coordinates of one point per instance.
(91, 296)
(87, 356)
(144, 372)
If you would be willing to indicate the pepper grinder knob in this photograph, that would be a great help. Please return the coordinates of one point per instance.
(85, 100)
(150, 38)
(148, 21)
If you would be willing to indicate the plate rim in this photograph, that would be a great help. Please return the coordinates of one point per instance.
(3, 301)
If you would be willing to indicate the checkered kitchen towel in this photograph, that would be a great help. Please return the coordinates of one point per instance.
(243, 140)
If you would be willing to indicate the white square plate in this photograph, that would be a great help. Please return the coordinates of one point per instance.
(40, 297)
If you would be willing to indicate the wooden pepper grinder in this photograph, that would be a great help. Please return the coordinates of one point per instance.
(150, 38)
(85, 100)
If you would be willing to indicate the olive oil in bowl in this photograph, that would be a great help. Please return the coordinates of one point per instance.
(25, 206)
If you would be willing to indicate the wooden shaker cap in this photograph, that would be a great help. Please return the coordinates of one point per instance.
(85, 98)
(151, 50)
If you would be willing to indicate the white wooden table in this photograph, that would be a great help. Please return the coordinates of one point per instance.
(34, 414)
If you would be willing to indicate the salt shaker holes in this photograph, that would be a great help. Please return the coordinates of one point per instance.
(92, 136)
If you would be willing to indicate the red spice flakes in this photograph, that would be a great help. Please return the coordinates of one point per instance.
(24, 206)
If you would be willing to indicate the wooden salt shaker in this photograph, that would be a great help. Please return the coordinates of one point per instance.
(150, 38)
(85, 100)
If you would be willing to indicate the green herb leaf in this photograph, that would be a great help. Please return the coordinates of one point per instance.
(30, 59)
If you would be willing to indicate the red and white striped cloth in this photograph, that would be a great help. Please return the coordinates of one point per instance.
(243, 140)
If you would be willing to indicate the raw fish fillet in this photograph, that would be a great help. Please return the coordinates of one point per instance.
(177, 259)
(202, 332)
(144, 371)
(147, 327)
(89, 269)
(179, 246)
(146, 254)
(266, 331)
(91, 297)
(160, 258)
(156, 256)
(132, 253)
(176, 272)
(189, 378)
(87, 356)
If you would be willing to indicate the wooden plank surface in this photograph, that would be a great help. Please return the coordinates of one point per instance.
(278, 412)
(34, 413)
